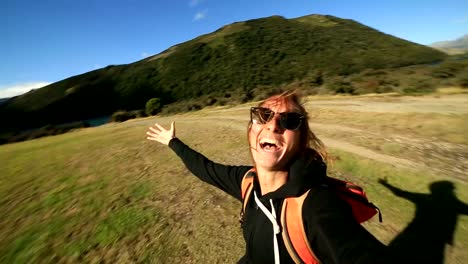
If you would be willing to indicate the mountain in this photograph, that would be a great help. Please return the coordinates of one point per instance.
(457, 46)
(4, 100)
(238, 59)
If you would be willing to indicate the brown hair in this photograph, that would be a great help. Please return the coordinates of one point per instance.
(308, 140)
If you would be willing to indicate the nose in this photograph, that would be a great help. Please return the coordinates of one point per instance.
(274, 124)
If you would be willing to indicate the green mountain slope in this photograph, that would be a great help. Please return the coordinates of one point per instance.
(238, 58)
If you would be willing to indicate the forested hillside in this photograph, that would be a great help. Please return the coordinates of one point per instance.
(238, 62)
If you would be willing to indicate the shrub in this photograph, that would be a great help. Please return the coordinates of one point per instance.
(448, 69)
(263, 92)
(153, 106)
(370, 86)
(121, 116)
(462, 79)
(315, 79)
(419, 86)
(48, 130)
(181, 107)
(140, 113)
(341, 86)
(194, 107)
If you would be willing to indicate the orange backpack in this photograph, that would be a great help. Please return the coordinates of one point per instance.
(294, 236)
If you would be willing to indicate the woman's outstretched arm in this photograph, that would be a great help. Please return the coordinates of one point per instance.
(225, 177)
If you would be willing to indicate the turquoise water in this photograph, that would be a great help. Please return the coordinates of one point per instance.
(98, 121)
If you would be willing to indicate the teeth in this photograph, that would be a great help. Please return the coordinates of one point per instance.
(269, 141)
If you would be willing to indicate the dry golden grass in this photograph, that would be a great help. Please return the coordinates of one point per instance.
(108, 194)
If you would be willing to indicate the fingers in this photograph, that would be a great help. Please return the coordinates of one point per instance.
(152, 134)
(173, 127)
(155, 130)
(152, 138)
(160, 134)
(160, 127)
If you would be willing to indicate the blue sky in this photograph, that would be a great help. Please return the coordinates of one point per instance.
(49, 40)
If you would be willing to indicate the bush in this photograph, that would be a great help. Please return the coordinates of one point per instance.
(462, 79)
(122, 116)
(341, 87)
(195, 107)
(153, 106)
(48, 130)
(140, 113)
(263, 92)
(181, 107)
(211, 100)
(448, 69)
(419, 86)
(315, 79)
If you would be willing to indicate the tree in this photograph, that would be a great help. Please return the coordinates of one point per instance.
(153, 106)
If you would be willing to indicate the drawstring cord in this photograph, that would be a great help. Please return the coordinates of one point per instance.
(276, 228)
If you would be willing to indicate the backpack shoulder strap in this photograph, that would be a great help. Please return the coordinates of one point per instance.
(246, 190)
(294, 236)
(247, 182)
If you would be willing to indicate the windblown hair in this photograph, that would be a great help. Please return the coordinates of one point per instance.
(308, 140)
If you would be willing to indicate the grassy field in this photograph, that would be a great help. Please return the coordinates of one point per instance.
(107, 195)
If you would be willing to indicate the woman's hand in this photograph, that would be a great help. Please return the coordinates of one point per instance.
(160, 134)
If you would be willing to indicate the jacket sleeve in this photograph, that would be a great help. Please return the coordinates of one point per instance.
(335, 236)
(225, 177)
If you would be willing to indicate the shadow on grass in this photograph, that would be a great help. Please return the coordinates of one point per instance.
(433, 226)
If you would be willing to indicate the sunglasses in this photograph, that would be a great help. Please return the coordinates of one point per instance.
(287, 120)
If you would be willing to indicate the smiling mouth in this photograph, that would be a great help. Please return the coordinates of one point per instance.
(269, 145)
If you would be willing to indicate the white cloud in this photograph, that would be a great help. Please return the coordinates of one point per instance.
(194, 2)
(199, 15)
(144, 54)
(20, 88)
(97, 66)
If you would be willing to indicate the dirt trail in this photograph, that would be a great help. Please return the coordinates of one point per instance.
(329, 142)
(423, 153)
(446, 104)
(370, 154)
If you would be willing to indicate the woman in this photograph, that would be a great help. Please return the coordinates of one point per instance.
(289, 160)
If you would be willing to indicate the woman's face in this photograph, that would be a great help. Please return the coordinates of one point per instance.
(271, 145)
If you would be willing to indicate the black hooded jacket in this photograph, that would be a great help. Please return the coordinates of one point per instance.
(331, 229)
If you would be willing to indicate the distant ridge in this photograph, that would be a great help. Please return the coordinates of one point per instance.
(237, 60)
(4, 100)
(457, 46)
